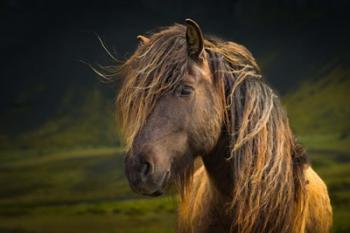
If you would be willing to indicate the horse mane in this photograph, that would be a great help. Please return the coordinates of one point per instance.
(154, 69)
(269, 186)
(267, 163)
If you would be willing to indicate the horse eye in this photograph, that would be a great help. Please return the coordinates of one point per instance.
(183, 90)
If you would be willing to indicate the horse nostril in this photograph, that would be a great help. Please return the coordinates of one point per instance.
(145, 170)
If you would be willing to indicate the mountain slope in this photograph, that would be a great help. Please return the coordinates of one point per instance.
(319, 109)
(84, 117)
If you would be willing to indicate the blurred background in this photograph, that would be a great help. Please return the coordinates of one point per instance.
(60, 153)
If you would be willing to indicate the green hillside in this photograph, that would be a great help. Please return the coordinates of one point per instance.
(319, 110)
(85, 117)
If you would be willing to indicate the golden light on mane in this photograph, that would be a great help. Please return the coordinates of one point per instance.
(269, 192)
(262, 147)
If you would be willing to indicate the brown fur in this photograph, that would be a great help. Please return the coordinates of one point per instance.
(254, 174)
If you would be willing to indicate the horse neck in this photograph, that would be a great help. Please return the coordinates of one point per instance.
(219, 168)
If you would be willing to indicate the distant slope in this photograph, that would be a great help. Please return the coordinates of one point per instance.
(320, 108)
(84, 117)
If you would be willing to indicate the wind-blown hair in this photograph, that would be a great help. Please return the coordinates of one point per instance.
(268, 194)
(154, 69)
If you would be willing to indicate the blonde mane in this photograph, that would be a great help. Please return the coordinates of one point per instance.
(267, 164)
(266, 161)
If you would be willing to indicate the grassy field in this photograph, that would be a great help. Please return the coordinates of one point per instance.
(84, 190)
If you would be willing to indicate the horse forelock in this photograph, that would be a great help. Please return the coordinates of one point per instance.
(155, 68)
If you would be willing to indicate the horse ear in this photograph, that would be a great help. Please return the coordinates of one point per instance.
(142, 39)
(194, 39)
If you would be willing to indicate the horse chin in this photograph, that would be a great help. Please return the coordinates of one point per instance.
(154, 189)
(156, 193)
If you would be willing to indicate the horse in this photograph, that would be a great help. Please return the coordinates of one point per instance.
(196, 112)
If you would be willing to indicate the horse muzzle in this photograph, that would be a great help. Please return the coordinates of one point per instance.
(144, 176)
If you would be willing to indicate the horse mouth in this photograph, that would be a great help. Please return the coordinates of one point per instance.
(156, 193)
